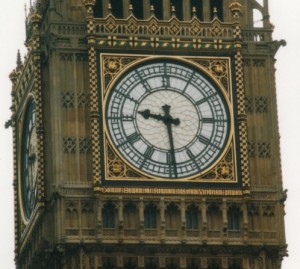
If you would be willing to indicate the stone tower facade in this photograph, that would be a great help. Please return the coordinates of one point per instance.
(146, 136)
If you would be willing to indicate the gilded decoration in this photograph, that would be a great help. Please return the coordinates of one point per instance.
(153, 33)
(116, 168)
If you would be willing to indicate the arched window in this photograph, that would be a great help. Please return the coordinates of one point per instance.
(158, 8)
(117, 8)
(172, 217)
(216, 8)
(151, 265)
(130, 265)
(108, 215)
(171, 265)
(130, 216)
(198, 5)
(108, 265)
(193, 265)
(178, 9)
(214, 265)
(138, 9)
(214, 218)
(98, 9)
(150, 217)
(235, 266)
(233, 218)
(192, 217)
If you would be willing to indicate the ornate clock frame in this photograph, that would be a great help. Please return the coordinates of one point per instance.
(118, 176)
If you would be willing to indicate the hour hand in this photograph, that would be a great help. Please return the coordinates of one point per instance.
(147, 114)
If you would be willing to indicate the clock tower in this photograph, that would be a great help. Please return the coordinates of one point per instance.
(146, 136)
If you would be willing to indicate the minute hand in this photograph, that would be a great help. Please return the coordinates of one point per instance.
(168, 120)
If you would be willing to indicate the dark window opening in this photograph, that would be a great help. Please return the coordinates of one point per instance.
(158, 8)
(177, 4)
(108, 216)
(138, 10)
(98, 9)
(172, 265)
(108, 265)
(235, 266)
(172, 217)
(130, 216)
(233, 218)
(130, 265)
(198, 5)
(117, 8)
(216, 8)
(193, 265)
(150, 217)
(192, 218)
(214, 218)
(214, 266)
(151, 265)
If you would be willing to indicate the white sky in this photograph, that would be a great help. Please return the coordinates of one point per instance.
(285, 17)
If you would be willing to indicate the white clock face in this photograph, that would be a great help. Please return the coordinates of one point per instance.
(29, 161)
(167, 119)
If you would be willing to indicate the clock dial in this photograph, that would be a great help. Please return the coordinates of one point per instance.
(167, 119)
(29, 161)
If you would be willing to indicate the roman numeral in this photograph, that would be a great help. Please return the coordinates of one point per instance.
(133, 138)
(205, 99)
(207, 120)
(165, 81)
(149, 152)
(203, 139)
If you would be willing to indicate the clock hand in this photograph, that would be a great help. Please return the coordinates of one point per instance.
(147, 114)
(168, 120)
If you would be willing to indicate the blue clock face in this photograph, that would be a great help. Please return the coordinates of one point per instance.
(167, 119)
(29, 161)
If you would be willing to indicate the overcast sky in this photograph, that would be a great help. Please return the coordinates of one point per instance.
(285, 17)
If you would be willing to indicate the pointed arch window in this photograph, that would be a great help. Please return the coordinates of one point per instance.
(108, 215)
(138, 9)
(108, 265)
(214, 265)
(158, 8)
(198, 5)
(150, 217)
(172, 217)
(214, 218)
(117, 8)
(233, 218)
(130, 265)
(130, 216)
(192, 217)
(216, 8)
(235, 266)
(193, 265)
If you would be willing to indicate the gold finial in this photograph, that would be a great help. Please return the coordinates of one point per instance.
(109, 8)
